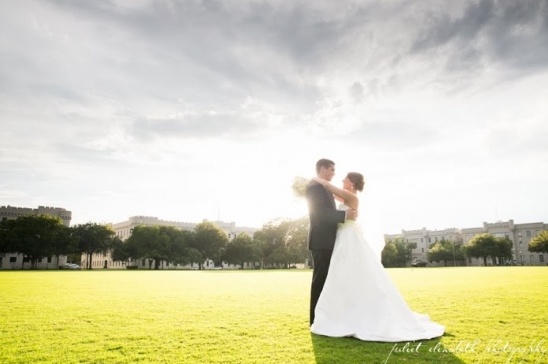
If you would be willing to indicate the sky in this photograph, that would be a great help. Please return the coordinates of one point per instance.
(191, 110)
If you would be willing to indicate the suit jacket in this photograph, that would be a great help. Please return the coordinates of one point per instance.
(324, 217)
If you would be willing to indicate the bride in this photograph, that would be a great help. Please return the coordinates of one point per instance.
(359, 299)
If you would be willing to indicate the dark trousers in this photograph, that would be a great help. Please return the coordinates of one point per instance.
(321, 259)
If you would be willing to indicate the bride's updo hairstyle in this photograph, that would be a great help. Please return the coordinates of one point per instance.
(357, 179)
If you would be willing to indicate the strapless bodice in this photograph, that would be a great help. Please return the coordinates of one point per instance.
(343, 207)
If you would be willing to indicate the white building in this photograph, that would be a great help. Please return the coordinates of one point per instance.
(124, 229)
(17, 261)
(424, 239)
(519, 234)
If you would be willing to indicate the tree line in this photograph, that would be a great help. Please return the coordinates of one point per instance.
(278, 244)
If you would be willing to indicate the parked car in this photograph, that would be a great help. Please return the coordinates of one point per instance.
(418, 263)
(70, 266)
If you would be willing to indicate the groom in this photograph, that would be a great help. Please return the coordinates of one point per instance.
(324, 220)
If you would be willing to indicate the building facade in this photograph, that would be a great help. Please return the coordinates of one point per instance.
(519, 235)
(18, 261)
(424, 238)
(124, 229)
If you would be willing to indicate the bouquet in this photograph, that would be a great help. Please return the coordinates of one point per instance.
(299, 186)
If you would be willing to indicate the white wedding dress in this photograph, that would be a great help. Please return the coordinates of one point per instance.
(359, 299)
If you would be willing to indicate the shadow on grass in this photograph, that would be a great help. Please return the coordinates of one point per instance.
(328, 350)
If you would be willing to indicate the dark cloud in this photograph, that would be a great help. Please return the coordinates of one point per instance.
(513, 33)
(208, 47)
(356, 91)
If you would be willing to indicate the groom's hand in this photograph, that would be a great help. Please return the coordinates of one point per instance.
(351, 214)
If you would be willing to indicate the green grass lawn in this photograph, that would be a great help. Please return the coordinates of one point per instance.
(491, 314)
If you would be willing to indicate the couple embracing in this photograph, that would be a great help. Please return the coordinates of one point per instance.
(351, 293)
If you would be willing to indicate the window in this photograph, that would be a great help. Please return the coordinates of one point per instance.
(541, 258)
(528, 233)
(532, 258)
(49, 259)
(13, 259)
(26, 260)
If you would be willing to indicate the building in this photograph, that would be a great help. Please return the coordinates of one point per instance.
(124, 229)
(519, 235)
(17, 261)
(424, 239)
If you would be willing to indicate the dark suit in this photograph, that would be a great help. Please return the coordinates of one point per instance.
(324, 220)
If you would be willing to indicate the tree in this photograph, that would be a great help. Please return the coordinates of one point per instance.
(405, 251)
(297, 240)
(503, 248)
(147, 242)
(179, 248)
(159, 244)
(34, 236)
(241, 250)
(279, 257)
(173, 246)
(92, 238)
(210, 241)
(486, 245)
(389, 255)
(272, 239)
(397, 253)
(192, 255)
(120, 252)
(64, 243)
(481, 246)
(445, 251)
(5, 227)
(539, 243)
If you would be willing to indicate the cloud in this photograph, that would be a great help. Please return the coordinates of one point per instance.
(511, 33)
(117, 99)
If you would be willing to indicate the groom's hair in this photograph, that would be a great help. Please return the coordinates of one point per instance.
(326, 163)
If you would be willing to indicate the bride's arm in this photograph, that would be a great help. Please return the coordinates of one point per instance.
(338, 192)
